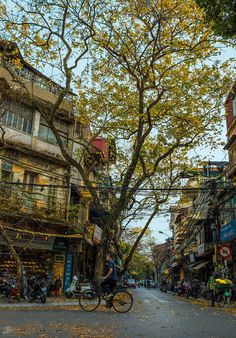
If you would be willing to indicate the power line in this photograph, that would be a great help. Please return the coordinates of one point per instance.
(117, 187)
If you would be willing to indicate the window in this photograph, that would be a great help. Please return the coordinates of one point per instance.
(234, 106)
(17, 115)
(29, 181)
(79, 128)
(6, 176)
(46, 134)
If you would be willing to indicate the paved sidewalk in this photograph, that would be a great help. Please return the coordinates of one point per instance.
(51, 301)
(207, 303)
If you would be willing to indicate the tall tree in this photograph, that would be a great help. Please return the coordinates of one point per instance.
(143, 77)
(222, 14)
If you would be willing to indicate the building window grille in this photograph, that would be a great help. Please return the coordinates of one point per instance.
(29, 181)
(17, 116)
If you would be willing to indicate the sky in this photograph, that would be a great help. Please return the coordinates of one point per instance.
(161, 223)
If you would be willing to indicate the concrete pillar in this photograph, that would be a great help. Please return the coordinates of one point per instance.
(36, 123)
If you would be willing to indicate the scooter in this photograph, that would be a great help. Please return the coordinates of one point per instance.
(74, 289)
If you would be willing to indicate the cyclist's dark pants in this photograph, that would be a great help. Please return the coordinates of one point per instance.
(108, 285)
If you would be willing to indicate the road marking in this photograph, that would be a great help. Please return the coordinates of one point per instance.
(160, 300)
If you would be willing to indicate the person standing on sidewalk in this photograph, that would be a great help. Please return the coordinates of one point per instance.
(211, 287)
(57, 285)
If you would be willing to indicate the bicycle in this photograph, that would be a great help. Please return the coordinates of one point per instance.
(120, 300)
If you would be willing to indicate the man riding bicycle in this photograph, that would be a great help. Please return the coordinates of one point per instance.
(109, 281)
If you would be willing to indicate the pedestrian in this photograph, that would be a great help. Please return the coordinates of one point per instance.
(177, 288)
(211, 287)
(195, 287)
(57, 286)
(24, 284)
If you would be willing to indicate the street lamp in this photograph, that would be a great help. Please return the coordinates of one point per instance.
(161, 232)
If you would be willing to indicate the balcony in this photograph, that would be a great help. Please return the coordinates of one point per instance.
(42, 203)
(42, 89)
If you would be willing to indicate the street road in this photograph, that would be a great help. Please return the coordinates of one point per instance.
(155, 315)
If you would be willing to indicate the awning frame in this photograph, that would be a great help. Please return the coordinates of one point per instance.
(200, 265)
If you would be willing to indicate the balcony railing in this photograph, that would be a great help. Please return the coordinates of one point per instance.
(39, 81)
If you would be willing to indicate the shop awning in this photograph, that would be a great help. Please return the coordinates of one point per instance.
(200, 265)
(191, 266)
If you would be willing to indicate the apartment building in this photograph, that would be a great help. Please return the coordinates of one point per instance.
(193, 223)
(43, 201)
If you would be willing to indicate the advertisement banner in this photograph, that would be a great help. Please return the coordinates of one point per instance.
(68, 271)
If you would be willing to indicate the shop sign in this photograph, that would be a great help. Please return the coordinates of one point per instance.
(68, 271)
(28, 240)
(225, 251)
(201, 249)
(60, 244)
(228, 231)
(59, 258)
(97, 236)
(192, 258)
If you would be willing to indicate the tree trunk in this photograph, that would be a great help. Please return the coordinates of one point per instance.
(14, 255)
(99, 264)
(134, 247)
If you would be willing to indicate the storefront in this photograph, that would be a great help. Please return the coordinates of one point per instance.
(35, 251)
(40, 254)
(81, 256)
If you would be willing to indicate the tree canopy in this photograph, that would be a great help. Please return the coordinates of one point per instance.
(144, 77)
(222, 14)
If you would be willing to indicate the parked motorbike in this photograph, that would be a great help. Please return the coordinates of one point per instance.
(8, 289)
(163, 286)
(37, 290)
(74, 289)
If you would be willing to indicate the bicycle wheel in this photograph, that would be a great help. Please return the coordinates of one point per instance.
(89, 300)
(221, 300)
(122, 301)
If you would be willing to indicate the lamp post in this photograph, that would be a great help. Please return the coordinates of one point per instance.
(166, 255)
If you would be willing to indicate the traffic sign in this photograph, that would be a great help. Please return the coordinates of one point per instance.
(225, 251)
